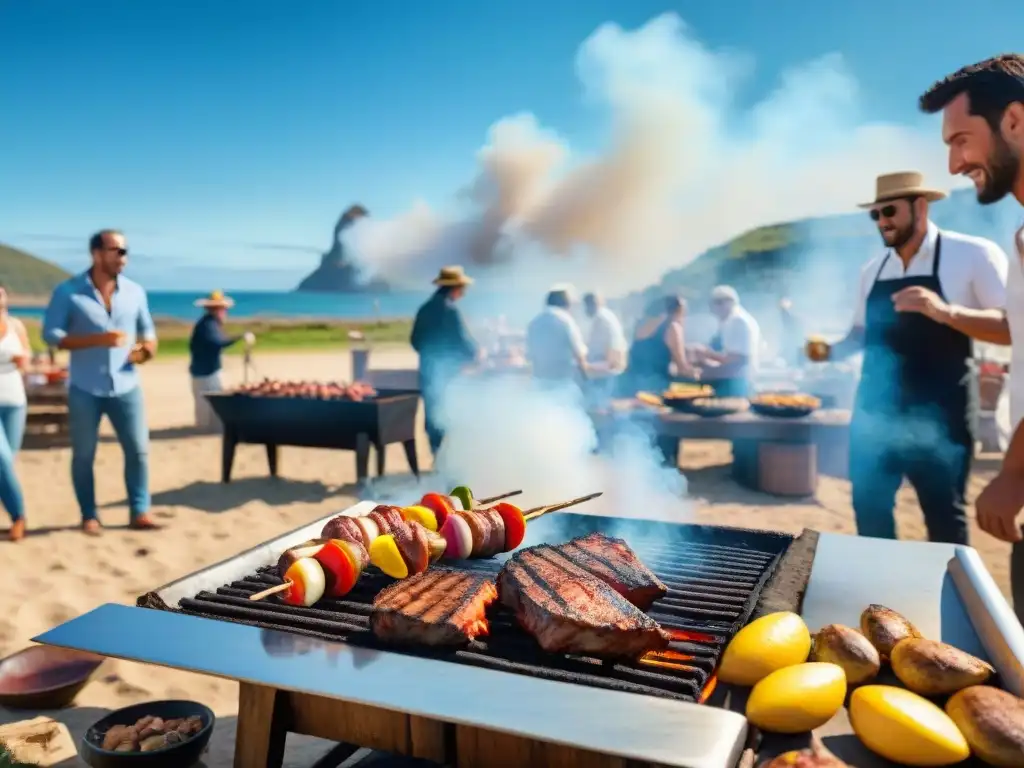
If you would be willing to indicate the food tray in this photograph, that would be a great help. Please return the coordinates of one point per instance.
(709, 407)
(782, 411)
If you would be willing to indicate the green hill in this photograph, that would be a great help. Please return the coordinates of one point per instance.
(28, 275)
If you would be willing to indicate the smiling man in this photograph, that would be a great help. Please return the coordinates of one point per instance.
(915, 411)
(982, 109)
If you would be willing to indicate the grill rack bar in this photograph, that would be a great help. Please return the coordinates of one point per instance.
(712, 591)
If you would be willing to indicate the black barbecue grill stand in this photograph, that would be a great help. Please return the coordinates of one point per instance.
(304, 422)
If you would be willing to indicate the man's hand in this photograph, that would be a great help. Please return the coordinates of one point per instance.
(999, 504)
(141, 353)
(111, 338)
(922, 301)
(21, 361)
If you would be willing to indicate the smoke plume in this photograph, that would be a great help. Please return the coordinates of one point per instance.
(685, 169)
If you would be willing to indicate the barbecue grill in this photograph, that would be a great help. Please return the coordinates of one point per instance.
(390, 417)
(503, 702)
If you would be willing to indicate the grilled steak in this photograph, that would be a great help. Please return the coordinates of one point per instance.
(614, 563)
(437, 607)
(568, 610)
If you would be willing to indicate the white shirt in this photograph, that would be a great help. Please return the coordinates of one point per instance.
(553, 343)
(741, 335)
(606, 336)
(972, 271)
(12, 385)
(1015, 319)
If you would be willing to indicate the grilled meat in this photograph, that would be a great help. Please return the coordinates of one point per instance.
(439, 607)
(386, 517)
(614, 563)
(342, 527)
(411, 539)
(568, 610)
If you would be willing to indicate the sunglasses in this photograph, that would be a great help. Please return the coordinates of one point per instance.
(888, 211)
(118, 251)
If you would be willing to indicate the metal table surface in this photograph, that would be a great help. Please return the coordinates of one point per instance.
(944, 589)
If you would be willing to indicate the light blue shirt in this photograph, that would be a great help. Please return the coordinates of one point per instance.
(77, 309)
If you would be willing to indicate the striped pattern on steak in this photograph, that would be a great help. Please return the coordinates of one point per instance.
(568, 610)
(614, 563)
(439, 607)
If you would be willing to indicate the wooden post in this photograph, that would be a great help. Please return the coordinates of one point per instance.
(262, 727)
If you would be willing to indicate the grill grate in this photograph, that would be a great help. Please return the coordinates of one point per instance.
(712, 591)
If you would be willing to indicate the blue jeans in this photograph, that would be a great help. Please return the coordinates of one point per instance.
(12, 430)
(127, 416)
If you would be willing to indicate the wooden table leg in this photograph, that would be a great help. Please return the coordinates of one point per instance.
(410, 455)
(362, 457)
(381, 450)
(262, 727)
(227, 454)
(272, 459)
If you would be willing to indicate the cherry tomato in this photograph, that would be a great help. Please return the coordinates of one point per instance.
(515, 524)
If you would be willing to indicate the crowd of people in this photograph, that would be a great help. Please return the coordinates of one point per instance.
(921, 303)
(598, 363)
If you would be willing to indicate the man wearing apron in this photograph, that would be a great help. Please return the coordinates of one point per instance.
(982, 109)
(730, 362)
(916, 406)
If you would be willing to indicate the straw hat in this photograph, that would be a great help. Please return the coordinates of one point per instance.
(215, 300)
(894, 186)
(452, 277)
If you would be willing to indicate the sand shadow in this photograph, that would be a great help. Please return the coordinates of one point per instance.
(216, 497)
(716, 484)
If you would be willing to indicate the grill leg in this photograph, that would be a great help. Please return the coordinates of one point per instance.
(362, 457)
(381, 450)
(262, 727)
(227, 455)
(272, 459)
(410, 456)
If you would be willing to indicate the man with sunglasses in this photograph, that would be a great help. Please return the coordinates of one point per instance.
(982, 109)
(102, 319)
(916, 406)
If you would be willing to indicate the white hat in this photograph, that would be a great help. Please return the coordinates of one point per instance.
(725, 293)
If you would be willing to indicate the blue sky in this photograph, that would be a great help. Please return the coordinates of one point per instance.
(225, 137)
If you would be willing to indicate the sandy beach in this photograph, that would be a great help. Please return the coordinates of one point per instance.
(58, 573)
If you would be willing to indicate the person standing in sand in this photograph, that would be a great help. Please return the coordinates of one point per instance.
(606, 350)
(982, 109)
(14, 356)
(102, 319)
(445, 346)
(916, 406)
(555, 346)
(205, 347)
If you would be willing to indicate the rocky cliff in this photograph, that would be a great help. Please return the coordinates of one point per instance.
(336, 273)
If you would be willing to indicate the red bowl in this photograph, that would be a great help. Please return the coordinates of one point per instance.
(44, 677)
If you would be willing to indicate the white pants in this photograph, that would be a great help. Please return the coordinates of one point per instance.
(206, 419)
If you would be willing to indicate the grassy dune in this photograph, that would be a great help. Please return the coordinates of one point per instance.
(283, 335)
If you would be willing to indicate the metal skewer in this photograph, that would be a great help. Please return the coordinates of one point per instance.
(499, 497)
(533, 514)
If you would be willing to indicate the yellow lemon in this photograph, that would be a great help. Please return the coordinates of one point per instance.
(772, 642)
(905, 728)
(798, 698)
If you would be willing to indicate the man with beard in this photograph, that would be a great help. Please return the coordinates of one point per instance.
(917, 400)
(982, 109)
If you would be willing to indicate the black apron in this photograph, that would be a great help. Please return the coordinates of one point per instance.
(914, 415)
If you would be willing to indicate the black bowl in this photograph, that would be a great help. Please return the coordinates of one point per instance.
(44, 677)
(182, 755)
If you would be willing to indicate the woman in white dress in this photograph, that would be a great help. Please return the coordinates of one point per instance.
(14, 357)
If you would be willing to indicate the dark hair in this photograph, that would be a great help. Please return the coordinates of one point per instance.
(991, 86)
(96, 241)
(559, 298)
(673, 304)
